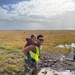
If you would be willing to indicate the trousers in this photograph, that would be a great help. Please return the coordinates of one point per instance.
(33, 71)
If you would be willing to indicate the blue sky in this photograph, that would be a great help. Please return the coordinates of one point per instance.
(2, 2)
(37, 15)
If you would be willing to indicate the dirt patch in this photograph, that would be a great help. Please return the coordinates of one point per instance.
(56, 61)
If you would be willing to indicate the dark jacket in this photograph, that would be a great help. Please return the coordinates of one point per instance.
(30, 42)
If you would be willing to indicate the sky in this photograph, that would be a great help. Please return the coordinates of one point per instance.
(37, 14)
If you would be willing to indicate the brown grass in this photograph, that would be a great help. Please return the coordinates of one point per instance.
(12, 43)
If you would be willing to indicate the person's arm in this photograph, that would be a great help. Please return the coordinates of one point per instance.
(28, 48)
(28, 39)
(28, 42)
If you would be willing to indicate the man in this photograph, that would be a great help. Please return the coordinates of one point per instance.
(30, 41)
(34, 54)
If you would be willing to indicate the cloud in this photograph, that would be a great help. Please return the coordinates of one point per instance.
(39, 8)
(38, 14)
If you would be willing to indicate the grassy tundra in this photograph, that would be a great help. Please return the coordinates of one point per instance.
(12, 43)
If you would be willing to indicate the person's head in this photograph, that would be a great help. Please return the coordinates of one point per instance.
(40, 39)
(33, 37)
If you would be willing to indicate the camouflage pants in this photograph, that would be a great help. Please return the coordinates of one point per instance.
(32, 71)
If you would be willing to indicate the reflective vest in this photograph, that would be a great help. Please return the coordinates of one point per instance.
(33, 55)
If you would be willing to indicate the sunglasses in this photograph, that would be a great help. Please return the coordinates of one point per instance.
(41, 39)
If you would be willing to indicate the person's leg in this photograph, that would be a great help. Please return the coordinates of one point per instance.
(25, 70)
(35, 70)
(29, 60)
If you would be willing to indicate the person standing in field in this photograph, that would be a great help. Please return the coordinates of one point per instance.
(31, 41)
(34, 52)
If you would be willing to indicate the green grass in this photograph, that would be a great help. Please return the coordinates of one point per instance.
(11, 62)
